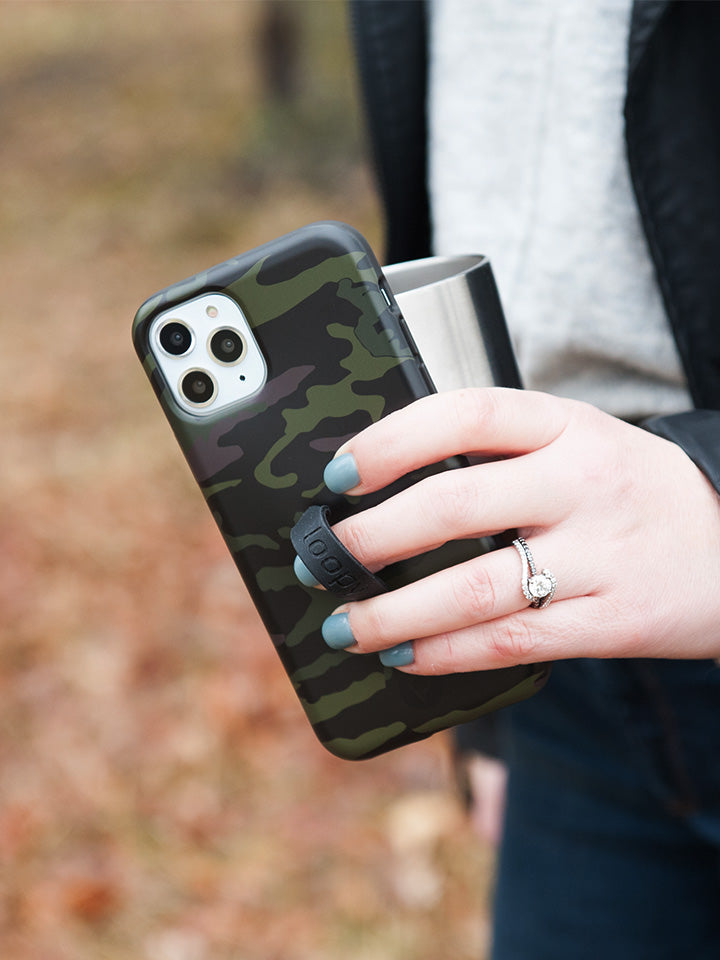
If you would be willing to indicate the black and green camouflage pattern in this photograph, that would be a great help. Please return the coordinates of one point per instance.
(338, 360)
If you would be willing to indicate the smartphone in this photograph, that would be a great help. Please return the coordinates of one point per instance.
(264, 365)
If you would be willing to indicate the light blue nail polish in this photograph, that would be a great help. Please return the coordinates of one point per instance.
(341, 474)
(337, 633)
(303, 574)
(400, 656)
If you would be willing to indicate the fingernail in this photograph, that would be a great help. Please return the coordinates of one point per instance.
(303, 574)
(400, 656)
(337, 633)
(341, 474)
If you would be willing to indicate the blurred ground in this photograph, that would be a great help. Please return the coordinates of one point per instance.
(162, 796)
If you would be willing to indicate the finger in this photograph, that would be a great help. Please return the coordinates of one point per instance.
(577, 627)
(495, 421)
(459, 597)
(488, 788)
(474, 501)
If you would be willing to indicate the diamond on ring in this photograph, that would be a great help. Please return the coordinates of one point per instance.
(538, 588)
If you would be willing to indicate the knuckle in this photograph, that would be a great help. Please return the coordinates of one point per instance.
(452, 506)
(356, 538)
(473, 409)
(513, 641)
(595, 449)
(473, 592)
(591, 467)
(374, 628)
(441, 658)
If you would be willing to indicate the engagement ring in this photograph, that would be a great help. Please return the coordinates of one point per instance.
(538, 588)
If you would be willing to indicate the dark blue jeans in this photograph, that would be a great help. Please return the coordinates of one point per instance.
(612, 839)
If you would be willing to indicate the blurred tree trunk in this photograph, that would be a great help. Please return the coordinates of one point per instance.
(279, 46)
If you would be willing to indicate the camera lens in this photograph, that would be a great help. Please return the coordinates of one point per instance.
(175, 338)
(227, 345)
(198, 387)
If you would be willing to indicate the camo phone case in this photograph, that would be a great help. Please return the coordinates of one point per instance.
(338, 357)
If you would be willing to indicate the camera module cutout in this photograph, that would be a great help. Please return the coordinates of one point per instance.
(207, 354)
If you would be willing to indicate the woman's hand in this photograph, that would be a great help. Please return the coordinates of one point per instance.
(625, 521)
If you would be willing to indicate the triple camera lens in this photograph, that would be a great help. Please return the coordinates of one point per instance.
(198, 387)
(227, 346)
(175, 338)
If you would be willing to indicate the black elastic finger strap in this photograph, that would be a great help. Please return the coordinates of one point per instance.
(329, 561)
